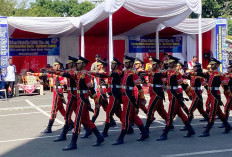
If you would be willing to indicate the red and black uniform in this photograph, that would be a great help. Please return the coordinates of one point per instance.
(115, 98)
(58, 97)
(197, 101)
(215, 80)
(207, 103)
(156, 97)
(174, 78)
(71, 105)
(228, 94)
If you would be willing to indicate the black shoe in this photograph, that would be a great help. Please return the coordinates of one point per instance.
(73, 144)
(164, 137)
(203, 120)
(100, 139)
(190, 129)
(205, 134)
(207, 129)
(62, 136)
(120, 139)
(49, 127)
(144, 135)
(228, 127)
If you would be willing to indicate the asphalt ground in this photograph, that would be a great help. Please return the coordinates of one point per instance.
(24, 118)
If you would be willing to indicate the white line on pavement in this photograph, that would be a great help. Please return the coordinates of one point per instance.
(157, 121)
(42, 111)
(19, 114)
(199, 153)
(22, 108)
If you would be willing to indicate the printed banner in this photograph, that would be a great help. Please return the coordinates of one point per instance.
(221, 32)
(148, 45)
(4, 45)
(35, 47)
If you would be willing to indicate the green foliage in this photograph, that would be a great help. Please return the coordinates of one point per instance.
(43, 8)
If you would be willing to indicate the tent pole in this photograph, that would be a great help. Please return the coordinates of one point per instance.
(82, 41)
(157, 42)
(111, 53)
(199, 38)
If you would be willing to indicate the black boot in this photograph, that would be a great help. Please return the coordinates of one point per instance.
(71, 126)
(105, 131)
(100, 139)
(144, 135)
(130, 130)
(49, 127)
(190, 129)
(207, 129)
(227, 126)
(73, 144)
(120, 139)
(112, 122)
(88, 132)
(164, 135)
(62, 136)
(171, 127)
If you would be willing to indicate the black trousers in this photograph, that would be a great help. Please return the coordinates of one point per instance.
(11, 85)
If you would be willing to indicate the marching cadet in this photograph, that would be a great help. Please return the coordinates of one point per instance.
(129, 80)
(72, 99)
(58, 97)
(156, 80)
(143, 81)
(84, 84)
(174, 78)
(197, 101)
(228, 91)
(114, 91)
(102, 84)
(215, 80)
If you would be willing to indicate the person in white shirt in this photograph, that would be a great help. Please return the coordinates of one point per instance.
(192, 62)
(10, 78)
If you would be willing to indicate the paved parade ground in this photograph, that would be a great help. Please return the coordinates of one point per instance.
(24, 118)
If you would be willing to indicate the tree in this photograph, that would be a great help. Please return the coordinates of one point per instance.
(7, 7)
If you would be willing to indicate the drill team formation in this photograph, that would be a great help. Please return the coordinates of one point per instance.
(120, 93)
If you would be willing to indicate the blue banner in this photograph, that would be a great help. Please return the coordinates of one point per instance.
(4, 45)
(148, 45)
(221, 32)
(35, 47)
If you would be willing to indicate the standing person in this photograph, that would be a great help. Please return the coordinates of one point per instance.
(174, 78)
(10, 78)
(84, 85)
(129, 113)
(215, 80)
(192, 62)
(94, 65)
(71, 97)
(58, 97)
(143, 81)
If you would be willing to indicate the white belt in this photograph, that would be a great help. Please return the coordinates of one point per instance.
(128, 87)
(157, 85)
(82, 91)
(116, 86)
(196, 88)
(214, 88)
(103, 86)
(70, 88)
(172, 87)
(59, 87)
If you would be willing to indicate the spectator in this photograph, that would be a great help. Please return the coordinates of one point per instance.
(94, 65)
(10, 78)
(192, 62)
